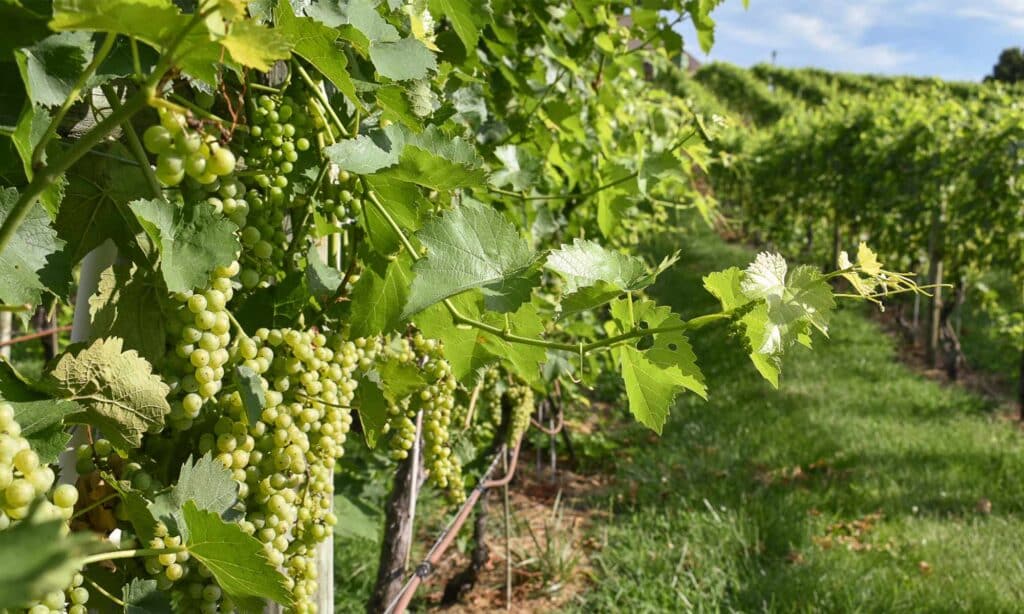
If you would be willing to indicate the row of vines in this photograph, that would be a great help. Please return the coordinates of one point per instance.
(929, 174)
(288, 228)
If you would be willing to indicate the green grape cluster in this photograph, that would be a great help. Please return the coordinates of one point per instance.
(202, 327)
(272, 150)
(521, 400)
(284, 461)
(181, 151)
(25, 482)
(168, 567)
(437, 401)
(73, 600)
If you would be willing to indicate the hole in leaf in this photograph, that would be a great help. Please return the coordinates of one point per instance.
(646, 342)
(644, 325)
(673, 347)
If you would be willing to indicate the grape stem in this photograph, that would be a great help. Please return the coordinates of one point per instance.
(319, 93)
(583, 348)
(131, 554)
(94, 505)
(76, 91)
(106, 593)
(50, 173)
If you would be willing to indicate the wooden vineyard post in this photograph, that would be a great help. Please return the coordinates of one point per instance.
(935, 276)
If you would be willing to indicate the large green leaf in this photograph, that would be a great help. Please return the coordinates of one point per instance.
(255, 46)
(32, 262)
(117, 389)
(95, 206)
(193, 240)
(37, 557)
(127, 305)
(669, 349)
(468, 18)
(42, 424)
(51, 66)
(403, 60)
(472, 246)
(321, 280)
(650, 389)
(250, 388)
(372, 407)
(468, 349)
(379, 296)
(237, 561)
(316, 43)
(585, 263)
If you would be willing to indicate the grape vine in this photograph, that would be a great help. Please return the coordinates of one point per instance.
(337, 218)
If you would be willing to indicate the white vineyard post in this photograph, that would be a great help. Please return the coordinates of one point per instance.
(93, 265)
(6, 322)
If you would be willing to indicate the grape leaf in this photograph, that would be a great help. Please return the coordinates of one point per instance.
(117, 389)
(52, 65)
(435, 161)
(472, 246)
(95, 204)
(372, 407)
(398, 380)
(32, 125)
(42, 424)
(725, 286)
(366, 154)
(429, 159)
(32, 261)
(650, 389)
(135, 506)
(255, 46)
(467, 18)
(402, 60)
(670, 349)
(143, 597)
(379, 295)
(316, 42)
(469, 349)
(20, 26)
(37, 557)
(193, 240)
(765, 343)
(585, 263)
(363, 16)
(237, 561)
(127, 305)
(207, 484)
(323, 281)
(250, 388)
(404, 203)
(275, 306)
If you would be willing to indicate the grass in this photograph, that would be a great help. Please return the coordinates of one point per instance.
(749, 501)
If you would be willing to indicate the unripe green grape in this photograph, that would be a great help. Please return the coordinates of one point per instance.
(157, 139)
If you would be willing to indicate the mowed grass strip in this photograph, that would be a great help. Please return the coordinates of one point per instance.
(860, 486)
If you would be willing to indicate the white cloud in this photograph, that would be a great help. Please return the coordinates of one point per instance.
(833, 31)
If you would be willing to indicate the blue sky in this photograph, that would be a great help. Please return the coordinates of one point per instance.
(953, 39)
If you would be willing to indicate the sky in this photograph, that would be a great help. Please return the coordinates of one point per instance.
(952, 39)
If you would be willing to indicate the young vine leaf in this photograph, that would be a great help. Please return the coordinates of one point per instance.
(193, 240)
(237, 560)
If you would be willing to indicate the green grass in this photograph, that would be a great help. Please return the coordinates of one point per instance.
(699, 525)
